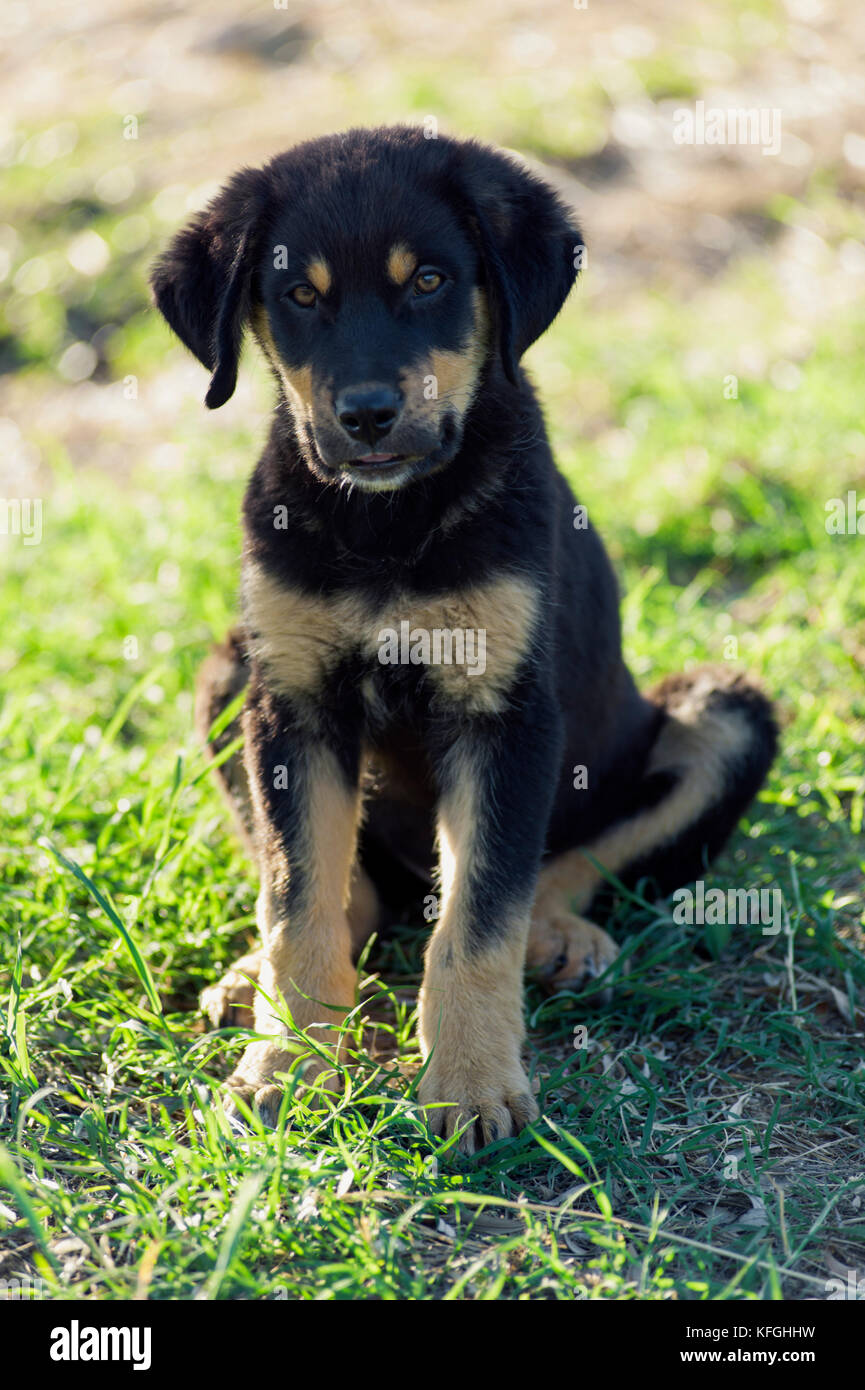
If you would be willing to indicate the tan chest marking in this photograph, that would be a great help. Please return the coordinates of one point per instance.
(297, 637)
(301, 637)
(500, 614)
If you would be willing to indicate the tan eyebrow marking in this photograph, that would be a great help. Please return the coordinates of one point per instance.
(401, 261)
(319, 276)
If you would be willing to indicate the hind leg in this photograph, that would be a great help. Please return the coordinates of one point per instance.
(223, 675)
(710, 757)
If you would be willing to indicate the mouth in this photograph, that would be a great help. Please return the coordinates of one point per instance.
(372, 470)
(380, 470)
(373, 460)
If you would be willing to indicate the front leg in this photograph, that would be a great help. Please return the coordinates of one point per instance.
(304, 784)
(496, 780)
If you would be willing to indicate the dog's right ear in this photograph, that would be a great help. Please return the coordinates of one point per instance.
(202, 282)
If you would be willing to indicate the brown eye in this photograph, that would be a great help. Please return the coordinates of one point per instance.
(304, 295)
(427, 281)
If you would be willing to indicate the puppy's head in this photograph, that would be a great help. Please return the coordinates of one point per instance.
(383, 274)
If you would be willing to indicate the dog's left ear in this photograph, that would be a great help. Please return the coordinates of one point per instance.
(530, 245)
(202, 282)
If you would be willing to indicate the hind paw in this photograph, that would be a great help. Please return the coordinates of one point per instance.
(229, 1003)
(566, 952)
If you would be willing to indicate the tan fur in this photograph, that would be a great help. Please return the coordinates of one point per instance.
(455, 373)
(564, 949)
(297, 381)
(299, 637)
(470, 1020)
(506, 610)
(331, 823)
(401, 261)
(471, 1029)
(470, 1008)
(460, 847)
(306, 961)
(697, 741)
(319, 276)
(230, 1002)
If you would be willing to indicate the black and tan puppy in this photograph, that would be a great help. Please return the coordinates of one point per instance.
(431, 644)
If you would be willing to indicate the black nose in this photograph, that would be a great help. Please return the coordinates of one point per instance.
(368, 412)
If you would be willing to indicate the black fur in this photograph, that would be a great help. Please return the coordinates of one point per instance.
(482, 500)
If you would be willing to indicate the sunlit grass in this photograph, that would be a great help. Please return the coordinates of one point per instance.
(706, 1143)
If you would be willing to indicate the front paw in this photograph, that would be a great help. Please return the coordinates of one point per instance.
(496, 1098)
(254, 1082)
(257, 1081)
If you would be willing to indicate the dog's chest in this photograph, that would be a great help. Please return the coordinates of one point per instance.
(469, 644)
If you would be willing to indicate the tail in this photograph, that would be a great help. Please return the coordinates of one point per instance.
(715, 746)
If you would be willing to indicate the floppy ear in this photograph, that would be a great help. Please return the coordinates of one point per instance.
(202, 282)
(530, 246)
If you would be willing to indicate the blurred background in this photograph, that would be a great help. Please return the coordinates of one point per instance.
(121, 118)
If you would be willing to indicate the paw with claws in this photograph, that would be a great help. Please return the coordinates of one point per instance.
(235, 1002)
(496, 1098)
(566, 952)
(230, 1002)
(471, 1031)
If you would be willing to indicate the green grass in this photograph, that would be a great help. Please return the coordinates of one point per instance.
(706, 1142)
(719, 1056)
